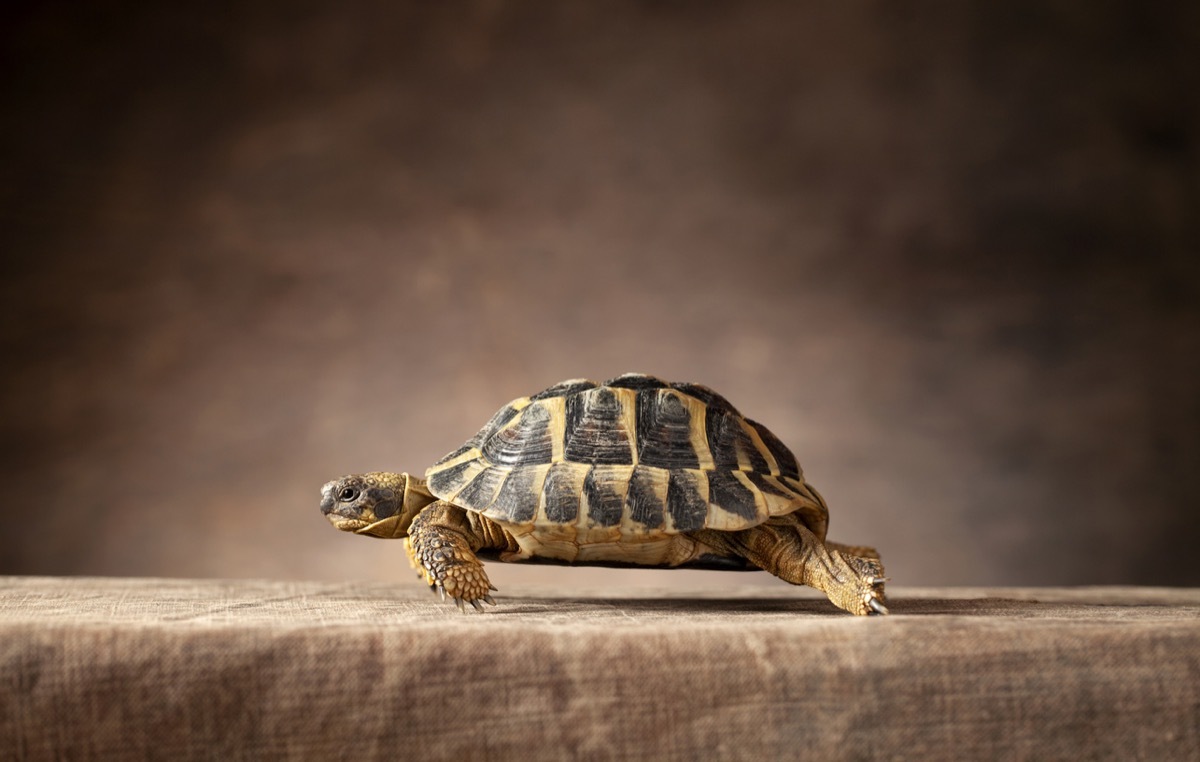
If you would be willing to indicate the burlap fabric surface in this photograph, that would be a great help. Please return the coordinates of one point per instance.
(170, 669)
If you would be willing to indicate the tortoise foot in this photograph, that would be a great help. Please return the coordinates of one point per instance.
(859, 585)
(444, 559)
(465, 583)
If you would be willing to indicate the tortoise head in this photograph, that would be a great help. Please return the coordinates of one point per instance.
(378, 504)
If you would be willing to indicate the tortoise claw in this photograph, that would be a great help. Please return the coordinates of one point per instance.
(461, 606)
(491, 586)
(478, 606)
(876, 607)
(491, 601)
(441, 591)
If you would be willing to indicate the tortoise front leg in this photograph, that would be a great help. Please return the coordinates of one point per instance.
(787, 549)
(441, 545)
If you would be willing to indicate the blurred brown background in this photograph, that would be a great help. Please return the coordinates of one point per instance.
(948, 252)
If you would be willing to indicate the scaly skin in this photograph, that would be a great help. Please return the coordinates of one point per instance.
(441, 546)
(851, 576)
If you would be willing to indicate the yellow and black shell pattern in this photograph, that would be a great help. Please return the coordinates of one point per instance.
(635, 454)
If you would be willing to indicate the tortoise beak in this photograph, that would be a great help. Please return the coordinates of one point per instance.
(348, 525)
(327, 500)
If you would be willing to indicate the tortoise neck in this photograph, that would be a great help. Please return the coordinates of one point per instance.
(416, 497)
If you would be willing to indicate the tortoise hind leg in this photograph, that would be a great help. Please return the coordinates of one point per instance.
(861, 557)
(862, 551)
(441, 545)
(787, 549)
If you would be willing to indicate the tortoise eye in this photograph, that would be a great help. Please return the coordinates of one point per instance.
(347, 494)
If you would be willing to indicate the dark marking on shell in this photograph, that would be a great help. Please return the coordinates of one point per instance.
(783, 456)
(664, 431)
(689, 509)
(605, 493)
(728, 493)
(726, 436)
(447, 481)
(765, 485)
(716, 421)
(527, 441)
(707, 396)
(478, 495)
(758, 463)
(502, 416)
(638, 381)
(561, 494)
(593, 429)
(517, 500)
(563, 388)
(644, 503)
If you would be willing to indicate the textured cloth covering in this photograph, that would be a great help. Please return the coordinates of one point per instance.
(134, 669)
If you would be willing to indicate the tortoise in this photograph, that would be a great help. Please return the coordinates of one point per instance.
(631, 472)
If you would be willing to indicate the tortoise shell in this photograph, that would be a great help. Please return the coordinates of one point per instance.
(635, 454)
